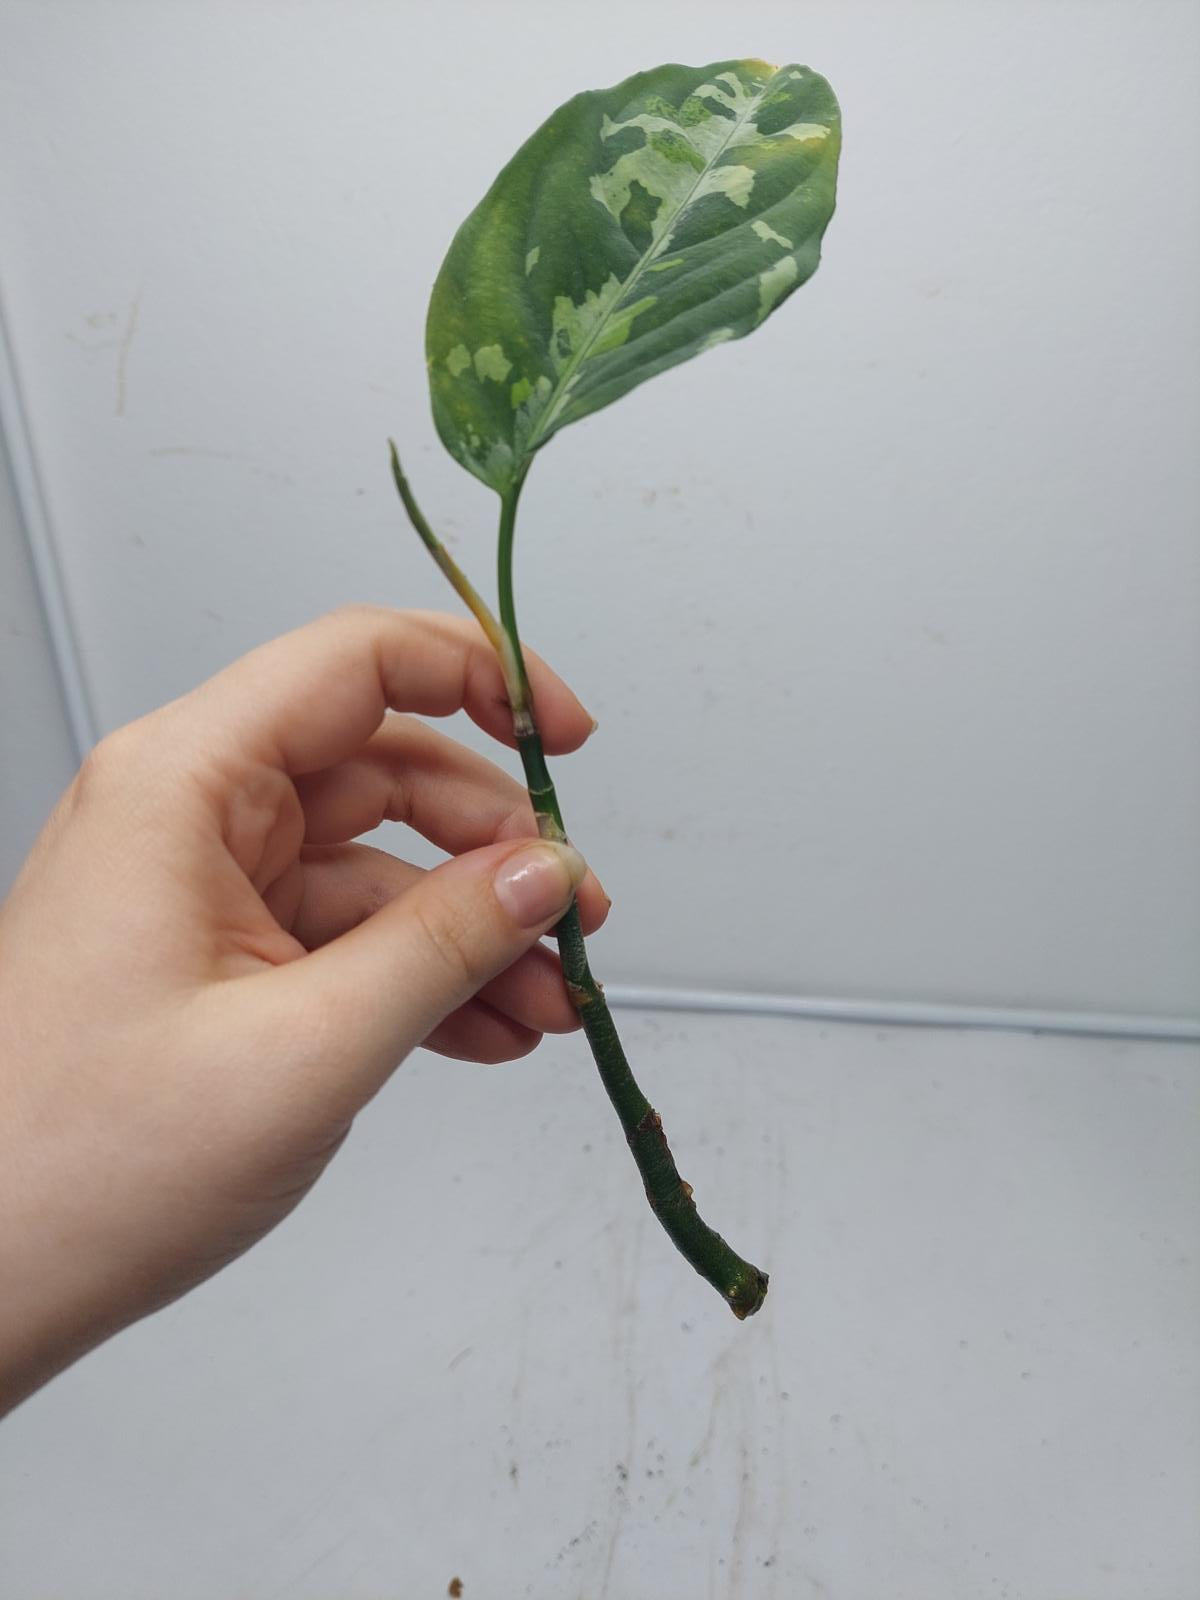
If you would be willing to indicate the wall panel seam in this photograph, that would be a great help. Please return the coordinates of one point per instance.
(907, 1013)
(17, 443)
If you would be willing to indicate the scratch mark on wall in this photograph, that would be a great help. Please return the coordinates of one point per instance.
(625, 1356)
(737, 1544)
(269, 474)
(318, 1560)
(705, 1445)
(513, 1427)
(123, 352)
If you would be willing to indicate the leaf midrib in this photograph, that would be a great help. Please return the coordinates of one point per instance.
(558, 394)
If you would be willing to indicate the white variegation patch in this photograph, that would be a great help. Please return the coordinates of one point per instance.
(735, 183)
(531, 260)
(808, 132)
(491, 362)
(498, 462)
(458, 360)
(728, 90)
(617, 328)
(592, 327)
(716, 337)
(572, 326)
(645, 120)
(677, 164)
(774, 282)
(765, 231)
(671, 182)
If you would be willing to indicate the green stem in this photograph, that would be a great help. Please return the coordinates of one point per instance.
(744, 1286)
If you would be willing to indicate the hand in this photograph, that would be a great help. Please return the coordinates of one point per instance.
(202, 981)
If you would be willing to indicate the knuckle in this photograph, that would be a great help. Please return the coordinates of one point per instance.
(447, 936)
(110, 762)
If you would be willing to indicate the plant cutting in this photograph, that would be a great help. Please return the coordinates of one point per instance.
(639, 226)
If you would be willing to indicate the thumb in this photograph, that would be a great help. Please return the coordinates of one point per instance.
(382, 988)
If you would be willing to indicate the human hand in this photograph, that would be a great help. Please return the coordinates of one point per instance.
(202, 981)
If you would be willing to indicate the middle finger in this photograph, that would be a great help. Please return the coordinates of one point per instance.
(408, 772)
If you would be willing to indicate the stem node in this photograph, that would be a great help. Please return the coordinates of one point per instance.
(578, 995)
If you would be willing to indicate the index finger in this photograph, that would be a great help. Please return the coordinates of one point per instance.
(309, 698)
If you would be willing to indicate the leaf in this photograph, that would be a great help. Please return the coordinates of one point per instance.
(639, 226)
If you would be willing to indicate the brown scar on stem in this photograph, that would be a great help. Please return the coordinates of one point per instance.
(651, 1123)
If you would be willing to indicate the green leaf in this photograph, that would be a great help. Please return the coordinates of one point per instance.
(639, 226)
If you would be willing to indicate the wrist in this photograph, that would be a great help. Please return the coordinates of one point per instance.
(55, 1295)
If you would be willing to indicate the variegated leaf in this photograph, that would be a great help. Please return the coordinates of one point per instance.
(639, 226)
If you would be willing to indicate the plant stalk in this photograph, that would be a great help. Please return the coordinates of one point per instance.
(741, 1284)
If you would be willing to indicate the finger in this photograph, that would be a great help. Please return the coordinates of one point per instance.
(476, 1032)
(408, 772)
(345, 884)
(312, 697)
(363, 1001)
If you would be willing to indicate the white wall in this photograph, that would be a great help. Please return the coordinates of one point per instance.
(889, 614)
